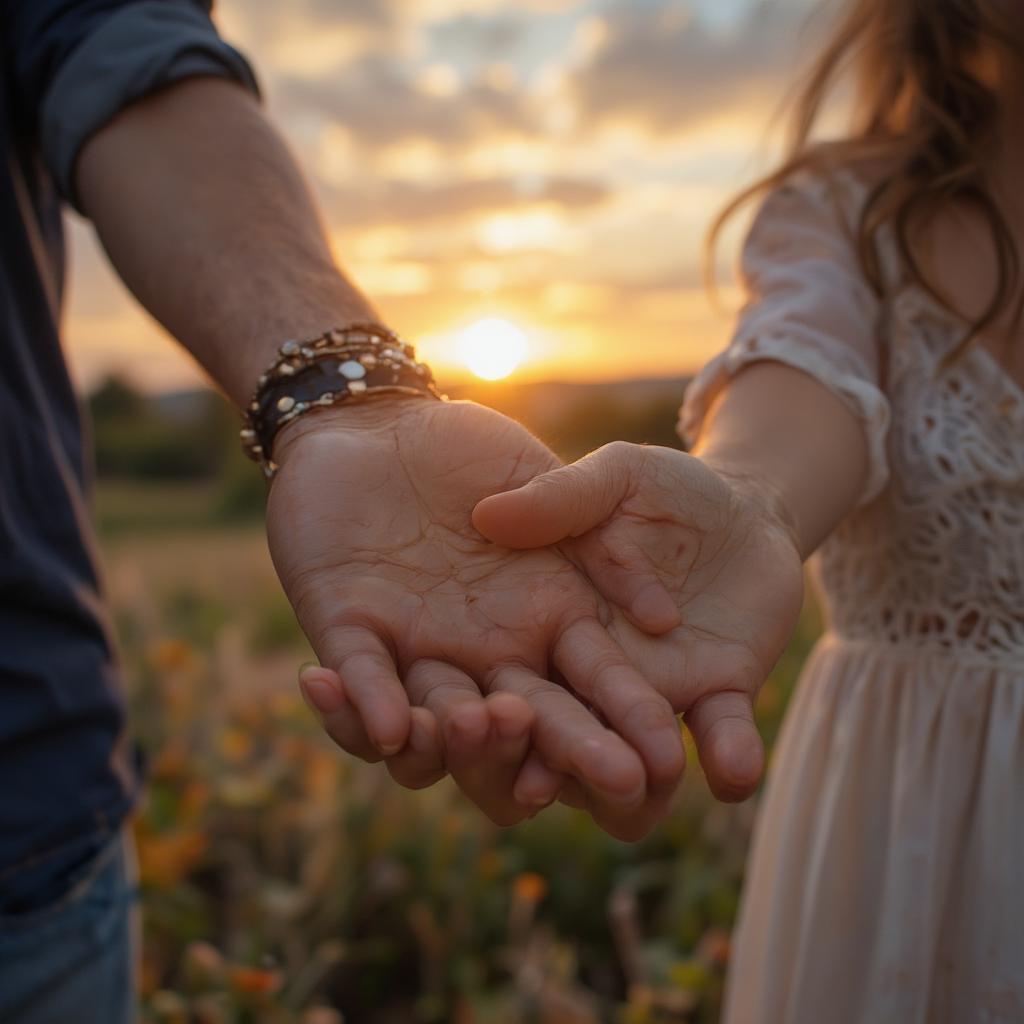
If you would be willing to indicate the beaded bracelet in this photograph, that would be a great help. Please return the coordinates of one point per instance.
(343, 364)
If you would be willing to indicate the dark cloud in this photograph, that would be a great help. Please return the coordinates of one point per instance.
(657, 67)
(375, 99)
(404, 203)
(382, 14)
(662, 68)
(487, 37)
(371, 13)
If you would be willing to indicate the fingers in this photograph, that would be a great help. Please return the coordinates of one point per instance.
(597, 669)
(418, 765)
(624, 576)
(323, 691)
(519, 768)
(485, 741)
(572, 741)
(728, 743)
(367, 671)
(564, 503)
(537, 785)
(421, 763)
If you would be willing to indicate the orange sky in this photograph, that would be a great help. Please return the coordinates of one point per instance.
(554, 164)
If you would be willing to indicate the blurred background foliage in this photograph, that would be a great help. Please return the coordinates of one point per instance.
(163, 458)
(286, 884)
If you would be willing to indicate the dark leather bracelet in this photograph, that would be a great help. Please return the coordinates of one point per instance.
(342, 365)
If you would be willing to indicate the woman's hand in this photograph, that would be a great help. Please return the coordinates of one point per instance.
(637, 519)
(369, 528)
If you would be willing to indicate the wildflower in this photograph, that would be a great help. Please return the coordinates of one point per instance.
(255, 981)
(170, 655)
(529, 887)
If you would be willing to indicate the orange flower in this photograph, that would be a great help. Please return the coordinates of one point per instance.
(529, 887)
(165, 859)
(255, 981)
(169, 655)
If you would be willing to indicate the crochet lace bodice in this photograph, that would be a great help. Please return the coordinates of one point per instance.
(937, 559)
(933, 556)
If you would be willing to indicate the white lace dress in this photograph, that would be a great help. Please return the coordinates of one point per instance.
(886, 880)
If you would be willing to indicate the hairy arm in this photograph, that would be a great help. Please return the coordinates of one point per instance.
(208, 220)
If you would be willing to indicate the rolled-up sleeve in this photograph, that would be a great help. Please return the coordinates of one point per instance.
(810, 307)
(77, 64)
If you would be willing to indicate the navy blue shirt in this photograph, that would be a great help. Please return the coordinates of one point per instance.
(66, 68)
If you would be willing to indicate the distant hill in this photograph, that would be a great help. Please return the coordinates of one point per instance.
(575, 418)
(536, 396)
(572, 417)
(543, 400)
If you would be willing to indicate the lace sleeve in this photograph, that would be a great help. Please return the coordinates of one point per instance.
(808, 306)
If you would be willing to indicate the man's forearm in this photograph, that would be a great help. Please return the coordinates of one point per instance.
(209, 221)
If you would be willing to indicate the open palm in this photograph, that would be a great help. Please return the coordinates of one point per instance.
(370, 531)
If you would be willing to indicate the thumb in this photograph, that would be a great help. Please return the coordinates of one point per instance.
(566, 502)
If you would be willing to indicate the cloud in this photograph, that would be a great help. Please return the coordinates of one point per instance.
(404, 203)
(663, 68)
(486, 38)
(378, 102)
(461, 151)
(380, 14)
(309, 38)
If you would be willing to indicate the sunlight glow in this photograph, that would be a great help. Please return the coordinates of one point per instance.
(492, 348)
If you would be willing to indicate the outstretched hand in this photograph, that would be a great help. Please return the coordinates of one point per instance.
(369, 528)
(636, 517)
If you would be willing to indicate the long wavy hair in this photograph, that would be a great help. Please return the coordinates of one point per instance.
(925, 110)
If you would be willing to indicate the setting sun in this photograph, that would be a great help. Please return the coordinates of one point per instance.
(492, 348)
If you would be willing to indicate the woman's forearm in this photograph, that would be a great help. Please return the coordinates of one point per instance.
(780, 434)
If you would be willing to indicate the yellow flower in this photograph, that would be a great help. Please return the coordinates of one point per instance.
(235, 744)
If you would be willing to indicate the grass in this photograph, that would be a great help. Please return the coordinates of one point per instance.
(131, 507)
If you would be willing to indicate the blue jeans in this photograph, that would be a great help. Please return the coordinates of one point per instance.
(73, 961)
